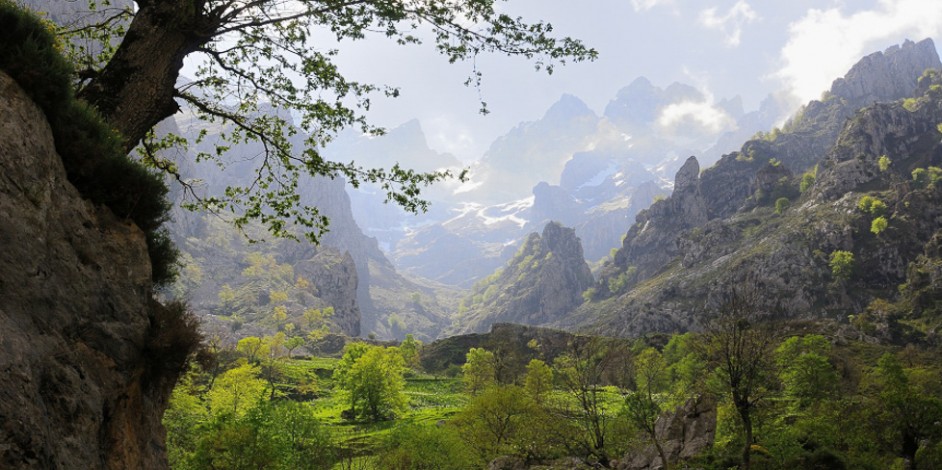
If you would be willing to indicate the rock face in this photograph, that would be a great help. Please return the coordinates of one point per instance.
(682, 434)
(541, 284)
(721, 229)
(76, 317)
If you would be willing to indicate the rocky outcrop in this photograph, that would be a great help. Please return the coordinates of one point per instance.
(719, 231)
(683, 434)
(335, 278)
(542, 283)
(80, 387)
(887, 75)
(652, 241)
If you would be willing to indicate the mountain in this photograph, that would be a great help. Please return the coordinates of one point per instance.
(593, 173)
(229, 281)
(542, 282)
(746, 220)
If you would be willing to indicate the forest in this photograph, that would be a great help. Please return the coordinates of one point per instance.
(801, 399)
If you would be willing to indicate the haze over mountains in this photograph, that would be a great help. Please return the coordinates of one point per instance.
(589, 176)
(587, 171)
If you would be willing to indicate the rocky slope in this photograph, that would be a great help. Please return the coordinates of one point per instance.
(720, 230)
(543, 282)
(85, 376)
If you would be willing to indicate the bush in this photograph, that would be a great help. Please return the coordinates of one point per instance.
(173, 338)
(878, 225)
(414, 447)
(91, 152)
(842, 264)
(781, 205)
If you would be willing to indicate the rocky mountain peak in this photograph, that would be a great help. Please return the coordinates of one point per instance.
(688, 176)
(567, 107)
(541, 284)
(887, 75)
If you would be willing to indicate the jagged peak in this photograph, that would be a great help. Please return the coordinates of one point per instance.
(566, 107)
(688, 175)
(887, 75)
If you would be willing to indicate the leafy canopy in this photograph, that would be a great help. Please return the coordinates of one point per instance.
(266, 76)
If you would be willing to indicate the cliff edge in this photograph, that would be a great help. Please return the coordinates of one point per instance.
(79, 342)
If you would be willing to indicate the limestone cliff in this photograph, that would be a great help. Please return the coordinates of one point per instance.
(542, 283)
(724, 227)
(79, 333)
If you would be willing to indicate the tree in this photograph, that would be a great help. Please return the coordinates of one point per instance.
(254, 55)
(539, 380)
(644, 405)
(409, 349)
(581, 371)
(805, 370)
(293, 343)
(842, 265)
(374, 382)
(497, 421)
(911, 410)
(479, 370)
(236, 391)
(738, 344)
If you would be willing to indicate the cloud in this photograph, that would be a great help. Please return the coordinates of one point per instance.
(825, 44)
(446, 134)
(704, 113)
(645, 5)
(731, 23)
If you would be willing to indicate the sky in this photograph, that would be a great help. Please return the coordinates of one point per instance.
(725, 48)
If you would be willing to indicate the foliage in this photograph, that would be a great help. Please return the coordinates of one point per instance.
(409, 350)
(373, 380)
(581, 373)
(871, 205)
(252, 57)
(807, 179)
(879, 225)
(884, 163)
(479, 370)
(277, 435)
(805, 370)
(501, 420)
(738, 344)
(644, 406)
(236, 391)
(539, 380)
(413, 447)
(781, 205)
(842, 265)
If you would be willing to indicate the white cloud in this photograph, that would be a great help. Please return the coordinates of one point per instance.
(645, 5)
(446, 134)
(713, 119)
(731, 23)
(824, 44)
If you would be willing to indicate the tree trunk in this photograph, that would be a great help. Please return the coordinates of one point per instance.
(136, 89)
(747, 447)
(665, 465)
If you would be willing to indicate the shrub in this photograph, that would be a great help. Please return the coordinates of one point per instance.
(414, 447)
(781, 205)
(878, 225)
(842, 264)
(807, 180)
(884, 163)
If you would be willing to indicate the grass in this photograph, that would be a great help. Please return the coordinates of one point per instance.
(431, 399)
